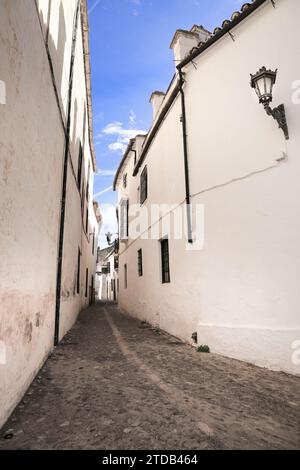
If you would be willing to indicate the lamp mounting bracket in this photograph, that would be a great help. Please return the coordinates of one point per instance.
(279, 115)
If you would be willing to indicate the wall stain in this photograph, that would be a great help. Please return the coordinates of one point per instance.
(37, 319)
(28, 331)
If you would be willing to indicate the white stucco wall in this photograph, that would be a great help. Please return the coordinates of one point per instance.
(31, 162)
(240, 292)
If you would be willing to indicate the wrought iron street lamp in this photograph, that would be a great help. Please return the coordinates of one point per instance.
(263, 82)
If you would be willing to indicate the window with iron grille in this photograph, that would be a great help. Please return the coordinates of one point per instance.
(88, 182)
(79, 171)
(82, 199)
(93, 247)
(87, 221)
(124, 212)
(86, 282)
(140, 263)
(78, 272)
(125, 276)
(144, 186)
(108, 267)
(165, 264)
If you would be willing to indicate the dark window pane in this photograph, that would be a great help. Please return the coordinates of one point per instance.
(78, 273)
(87, 221)
(86, 282)
(144, 186)
(125, 276)
(140, 263)
(79, 171)
(93, 248)
(165, 261)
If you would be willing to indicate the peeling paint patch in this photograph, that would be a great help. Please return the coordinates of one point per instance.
(65, 293)
(7, 162)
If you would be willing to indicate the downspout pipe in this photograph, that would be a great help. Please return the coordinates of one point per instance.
(186, 162)
(64, 181)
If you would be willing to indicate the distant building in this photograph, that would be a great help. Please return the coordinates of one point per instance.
(233, 277)
(49, 222)
(107, 274)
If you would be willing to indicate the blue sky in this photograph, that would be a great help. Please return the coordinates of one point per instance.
(130, 58)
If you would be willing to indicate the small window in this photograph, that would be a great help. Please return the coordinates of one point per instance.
(79, 171)
(82, 199)
(86, 282)
(78, 272)
(144, 186)
(124, 212)
(116, 263)
(165, 265)
(87, 221)
(108, 268)
(88, 182)
(93, 247)
(125, 276)
(92, 290)
(125, 180)
(140, 263)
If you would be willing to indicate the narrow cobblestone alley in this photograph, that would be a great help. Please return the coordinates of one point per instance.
(115, 383)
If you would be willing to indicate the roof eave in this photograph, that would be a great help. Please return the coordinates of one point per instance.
(221, 33)
(87, 70)
(129, 148)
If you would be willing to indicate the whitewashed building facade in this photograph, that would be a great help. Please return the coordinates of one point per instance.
(234, 280)
(49, 222)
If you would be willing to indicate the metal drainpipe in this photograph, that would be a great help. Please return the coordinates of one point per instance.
(186, 163)
(64, 182)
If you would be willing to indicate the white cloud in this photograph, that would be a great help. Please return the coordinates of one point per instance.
(123, 135)
(106, 172)
(99, 116)
(117, 146)
(116, 128)
(136, 4)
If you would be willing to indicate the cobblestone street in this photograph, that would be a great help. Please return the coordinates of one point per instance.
(115, 383)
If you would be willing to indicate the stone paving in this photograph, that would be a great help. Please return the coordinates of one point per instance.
(115, 383)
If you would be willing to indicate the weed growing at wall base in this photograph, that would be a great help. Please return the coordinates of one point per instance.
(203, 349)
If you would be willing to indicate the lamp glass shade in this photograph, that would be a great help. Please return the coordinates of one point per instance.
(260, 87)
(263, 82)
